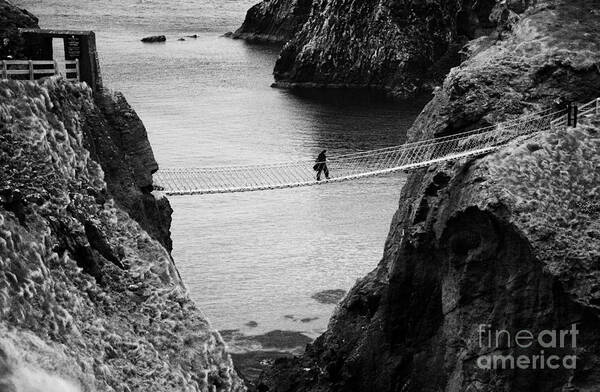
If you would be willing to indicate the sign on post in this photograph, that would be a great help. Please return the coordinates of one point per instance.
(72, 48)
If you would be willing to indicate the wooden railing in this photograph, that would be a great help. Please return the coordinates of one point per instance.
(37, 69)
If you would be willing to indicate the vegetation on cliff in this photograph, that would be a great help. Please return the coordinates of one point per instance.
(11, 19)
(550, 57)
(509, 240)
(88, 299)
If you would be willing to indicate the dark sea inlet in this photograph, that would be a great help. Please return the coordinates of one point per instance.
(207, 101)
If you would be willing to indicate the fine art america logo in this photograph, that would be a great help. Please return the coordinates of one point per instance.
(555, 349)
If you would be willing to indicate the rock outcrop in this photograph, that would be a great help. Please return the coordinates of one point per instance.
(154, 39)
(399, 47)
(510, 241)
(11, 19)
(117, 139)
(88, 299)
(274, 21)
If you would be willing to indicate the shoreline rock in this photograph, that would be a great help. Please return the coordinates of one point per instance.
(277, 340)
(250, 365)
(154, 39)
(253, 354)
(388, 92)
(259, 39)
(329, 297)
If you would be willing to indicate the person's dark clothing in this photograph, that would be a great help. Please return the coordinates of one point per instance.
(321, 165)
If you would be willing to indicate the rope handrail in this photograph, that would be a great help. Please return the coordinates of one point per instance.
(408, 156)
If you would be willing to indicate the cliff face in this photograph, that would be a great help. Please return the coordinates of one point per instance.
(510, 241)
(117, 139)
(395, 46)
(88, 299)
(11, 19)
(274, 21)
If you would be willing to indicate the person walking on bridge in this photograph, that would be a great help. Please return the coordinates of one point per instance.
(321, 165)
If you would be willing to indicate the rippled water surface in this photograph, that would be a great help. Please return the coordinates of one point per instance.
(207, 101)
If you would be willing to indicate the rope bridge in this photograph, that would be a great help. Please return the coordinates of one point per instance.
(230, 179)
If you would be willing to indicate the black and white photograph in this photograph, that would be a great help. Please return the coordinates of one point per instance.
(300, 196)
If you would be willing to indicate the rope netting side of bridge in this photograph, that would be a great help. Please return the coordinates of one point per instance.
(229, 179)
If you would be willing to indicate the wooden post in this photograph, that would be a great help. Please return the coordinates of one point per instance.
(568, 114)
(575, 113)
(77, 69)
(31, 74)
(4, 70)
(56, 67)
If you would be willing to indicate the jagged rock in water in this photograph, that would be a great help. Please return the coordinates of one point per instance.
(88, 299)
(329, 296)
(11, 19)
(274, 21)
(399, 47)
(154, 39)
(509, 240)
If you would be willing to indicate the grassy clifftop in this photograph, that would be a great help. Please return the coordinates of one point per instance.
(551, 56)
(552, 185)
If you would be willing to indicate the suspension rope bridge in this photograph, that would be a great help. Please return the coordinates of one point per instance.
(408, 156)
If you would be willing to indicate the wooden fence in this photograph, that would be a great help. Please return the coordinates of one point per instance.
(37, 69)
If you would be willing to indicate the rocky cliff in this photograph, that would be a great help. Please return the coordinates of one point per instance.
(11, 19)
(274, 21)
(89, 299)
(399, 47)
(509, 241)
(117, 140)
